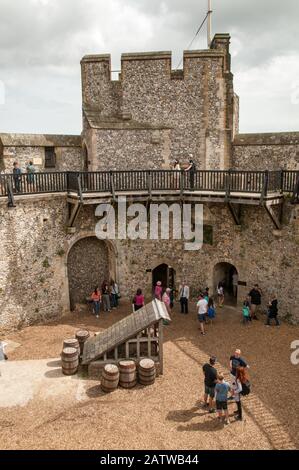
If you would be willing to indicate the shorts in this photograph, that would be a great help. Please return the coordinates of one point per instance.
(201, 318)
(221, 405)
(210, 391)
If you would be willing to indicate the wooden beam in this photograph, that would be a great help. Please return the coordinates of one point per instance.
(74, 214)
(235, 212)
(161, 346)
(276, 220)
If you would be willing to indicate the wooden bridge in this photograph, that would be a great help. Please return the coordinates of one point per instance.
(232, 187)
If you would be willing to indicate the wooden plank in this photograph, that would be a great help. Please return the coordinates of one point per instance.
(161, 346)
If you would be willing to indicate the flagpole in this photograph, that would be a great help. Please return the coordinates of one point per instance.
(209, 23)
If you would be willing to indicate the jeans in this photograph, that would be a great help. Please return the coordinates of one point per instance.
(96, 307)
(184, 304)
(239, 408)
(114, 300)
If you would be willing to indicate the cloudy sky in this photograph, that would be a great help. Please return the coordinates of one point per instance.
(42, 42)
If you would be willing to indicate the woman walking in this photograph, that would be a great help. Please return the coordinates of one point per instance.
(96, 300)
(237, 389)
(138, 301)
(158, 291)
(166, 301)
(273, 310)
(114, 294)
(220, 292)
(106, 297)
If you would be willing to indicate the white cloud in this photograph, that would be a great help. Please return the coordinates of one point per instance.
(42, 42)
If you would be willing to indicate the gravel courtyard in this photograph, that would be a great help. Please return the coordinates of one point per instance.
(42, 409)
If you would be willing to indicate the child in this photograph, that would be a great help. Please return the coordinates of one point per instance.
(211, 310)
(220, 292)
(246, 312)
(222, 388)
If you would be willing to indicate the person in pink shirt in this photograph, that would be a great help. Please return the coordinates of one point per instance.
(166, 301)
(158, 290)
(138, 301)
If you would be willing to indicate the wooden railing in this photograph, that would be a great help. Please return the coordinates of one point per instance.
(227, 182)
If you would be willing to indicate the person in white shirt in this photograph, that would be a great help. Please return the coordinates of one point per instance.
(184, 297)
(3, 356)
(202, 305)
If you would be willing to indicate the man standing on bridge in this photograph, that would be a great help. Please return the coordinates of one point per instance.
(191, 169)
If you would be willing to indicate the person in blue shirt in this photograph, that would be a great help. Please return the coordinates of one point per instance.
(222, 389)
(236, 361)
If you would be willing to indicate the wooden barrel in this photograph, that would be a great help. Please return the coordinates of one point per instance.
(71, 343)
(127, 374)
(69, 361)
(146, 372)
(82, 336)
(110, 378)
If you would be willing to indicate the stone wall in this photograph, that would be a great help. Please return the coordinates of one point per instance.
(154, 115)
(25, 147)
(88, 267)
(35, 247)
(266, 151)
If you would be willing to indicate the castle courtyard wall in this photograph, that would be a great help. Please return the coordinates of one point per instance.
(35, 247)
(266, 151)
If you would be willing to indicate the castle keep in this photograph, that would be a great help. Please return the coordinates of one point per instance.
(50, 258)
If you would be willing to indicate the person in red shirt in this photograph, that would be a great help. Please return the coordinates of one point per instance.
(96, 299)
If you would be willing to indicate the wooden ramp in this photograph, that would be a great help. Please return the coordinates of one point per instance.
(136, 336)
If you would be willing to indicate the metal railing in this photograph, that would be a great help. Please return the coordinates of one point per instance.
(227, 182)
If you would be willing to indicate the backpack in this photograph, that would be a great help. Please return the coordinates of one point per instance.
(245, 388)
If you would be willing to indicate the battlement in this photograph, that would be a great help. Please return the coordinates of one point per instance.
(102, 62)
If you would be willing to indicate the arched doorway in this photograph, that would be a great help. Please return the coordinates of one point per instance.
(164, 274)
(88, 266)
(227, 274)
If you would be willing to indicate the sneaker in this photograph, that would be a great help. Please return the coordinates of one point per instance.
(97, 316)
(203, 334)
(227, 421)
(212, 410)
(238, 418)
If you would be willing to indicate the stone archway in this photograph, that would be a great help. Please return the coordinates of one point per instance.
(224, 272)
(88, 265)
(165, 274)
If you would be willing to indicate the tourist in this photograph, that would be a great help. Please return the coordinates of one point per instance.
(3, 356)
(236, 361)
(235, 283)
(17, 172)
(206, 294)
(210, 383)
(138, 301)
(255, 301)
(106, 297)
(96, 300)
(221, 394)
(273, 311)
(158, 291)
(202, 305)
(237, 389)
(166, 299)
(176, 179)
(191, 169)
(114, 294)
(30, 172)
(172, 297)
(211, 310)
(220, 293)
(184, 298)
(246, 312)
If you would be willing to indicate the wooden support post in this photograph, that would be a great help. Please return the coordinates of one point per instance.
(74, 214)
(127, 350)
(235, 212)
(10, 195)
(264, 191)
(112, 185)
(276, 220)
(161, 346)
(228, 186)
(80, 194)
